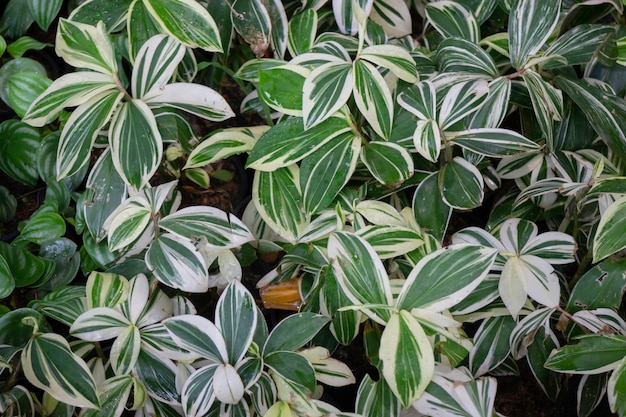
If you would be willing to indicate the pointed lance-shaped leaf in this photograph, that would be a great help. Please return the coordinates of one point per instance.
(531, 22)
(155, 64)
(85, 46)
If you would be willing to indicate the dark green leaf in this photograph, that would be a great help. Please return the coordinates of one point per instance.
(594, 354)
(18, 151)
(294, 332)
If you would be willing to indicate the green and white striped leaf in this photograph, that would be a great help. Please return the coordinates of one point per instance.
(379, 213)
(281, 88)
(302, 32)
(360, 273)
(427, 139)
(457, 54)
(280, 27)
(235, 317)
(143, 28)
(115, 393)
(328, 370)
(531, 22)
(105, 289)
(578, 45)
(345, 324)
(459, 269)
(614, 390)
(177, 263)
(393, 16)
(136, 144)
(431, 212)
(493, 142)
(100, 323)
(43, 226)
(125, 351)
(593, 354)
(50, 365)
(601, 286)
(198, 393)
(491, 344)
(220, 146)
(155, 64)
(461, 184)
(325, 172)
(376, 399)
(251, 19)
(451, 19)
(326, 90)
(348, 13)
(249, 71)
(420, 99)
(17, 401)
(195, 99)
(609, 237)
(128, 222)
(44, 11)
(69, 90)
(495, 107)
(389, 163)
(81, 131)
(295, 369)
(220, 229)
(524, 333)
(391, 241)
(198, 334)
(407, 357)
(293, 332)
(547, 102)
(373, 97)
(289, 141)
(278, 200)
(187, 21)
(85, 46)
(395, 58)
(158, 374)
(461, 100)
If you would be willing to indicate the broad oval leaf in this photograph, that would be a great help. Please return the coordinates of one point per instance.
(427, 139)
(177, 263)
(99, 323)
(44, 11)
(452, 19)
(229, 388)
(49, 364)
(391, 241)
(420, 99)
(294, 368)
(461, 100)
(395, 58)
(155, 64)
(407, 357)
(602, 286)
(105, 289)
(457, 54)
(220, 146)
(136, 145)
(187, 21)
(19, 143)
(461, 184)
(85, 46)
(220, 229)
(24, 89)
(389, 163)
(43, 226)
(128, 222)
(325, 90)
(281, 88)
(393, 16)
(197, 334)
(360, 273)
(293, 332)
(459, 269)
(7, 282)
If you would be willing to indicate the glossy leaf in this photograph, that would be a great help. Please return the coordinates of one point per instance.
(397, 59)
(431, 212)
(376, 399)
(24, 89)
(530, 24)
(235, 318)
(491, 344)
(198, 393)
(128, 222)
(50, 365)
(292, 367)
(493, 142)
(85, 46)
(252, 21)
(360, 273)
(293, 332)
(18, 149)
(451, 19)
(25, 267)
(608, 238)
(302, 31)
(325, 91)
(407, 357)
(457, 54)
(495, 107)
(7, 282)
(155, 64)
(393, 16)
(188, 22)
(461, 100)
(578, 45)
(199, 335)
(601, 286)
(427, 139)
(281, 88)
(461, 184)
(373, 97)
(593, 354)
(42, 227)
(389, 163)
(176, 262)
(420, 99)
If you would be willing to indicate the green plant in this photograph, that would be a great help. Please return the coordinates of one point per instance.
(449, 202)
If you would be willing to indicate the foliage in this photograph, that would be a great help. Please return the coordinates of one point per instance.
(449, 200)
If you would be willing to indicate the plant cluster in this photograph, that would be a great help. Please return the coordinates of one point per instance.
(444, 183)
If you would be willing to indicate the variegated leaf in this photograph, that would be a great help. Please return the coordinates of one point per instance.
(493, 142)
(461, 100)
(431, 212)
(326, 90)
(280, 26)
(376, 399)
(50, 365)
(373, 97)
(302, 31)
(198, 334)
(289, 142)
(278, 199)
(136, 144)
(220, 229)
(100, 323)
(547, 102)
(391, 241)
(491, 344)
(495, 107)
(427, 139)
(524, 332)
(125, 351)
(407, 357)
(328, 370)
(459, 270)
(187, 21)
(105, 289)
(609, 237)
(81, 131)
(451, 19)
(593, 354)
(155, 64)
(251, 19)
(85, 46)
(393, 16)
(198, 393)
(395, 58)
(347, 13)
(177, 263)
(420, 100)
(128, 222)
(69, 90)
(281, 88)
(578, 45)
(326, 171)
(235, 317)
(530, 24)
(389, 163)
(461, 184)
(360, 273)
(220, 146)
(457, 54)
(196, 99)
